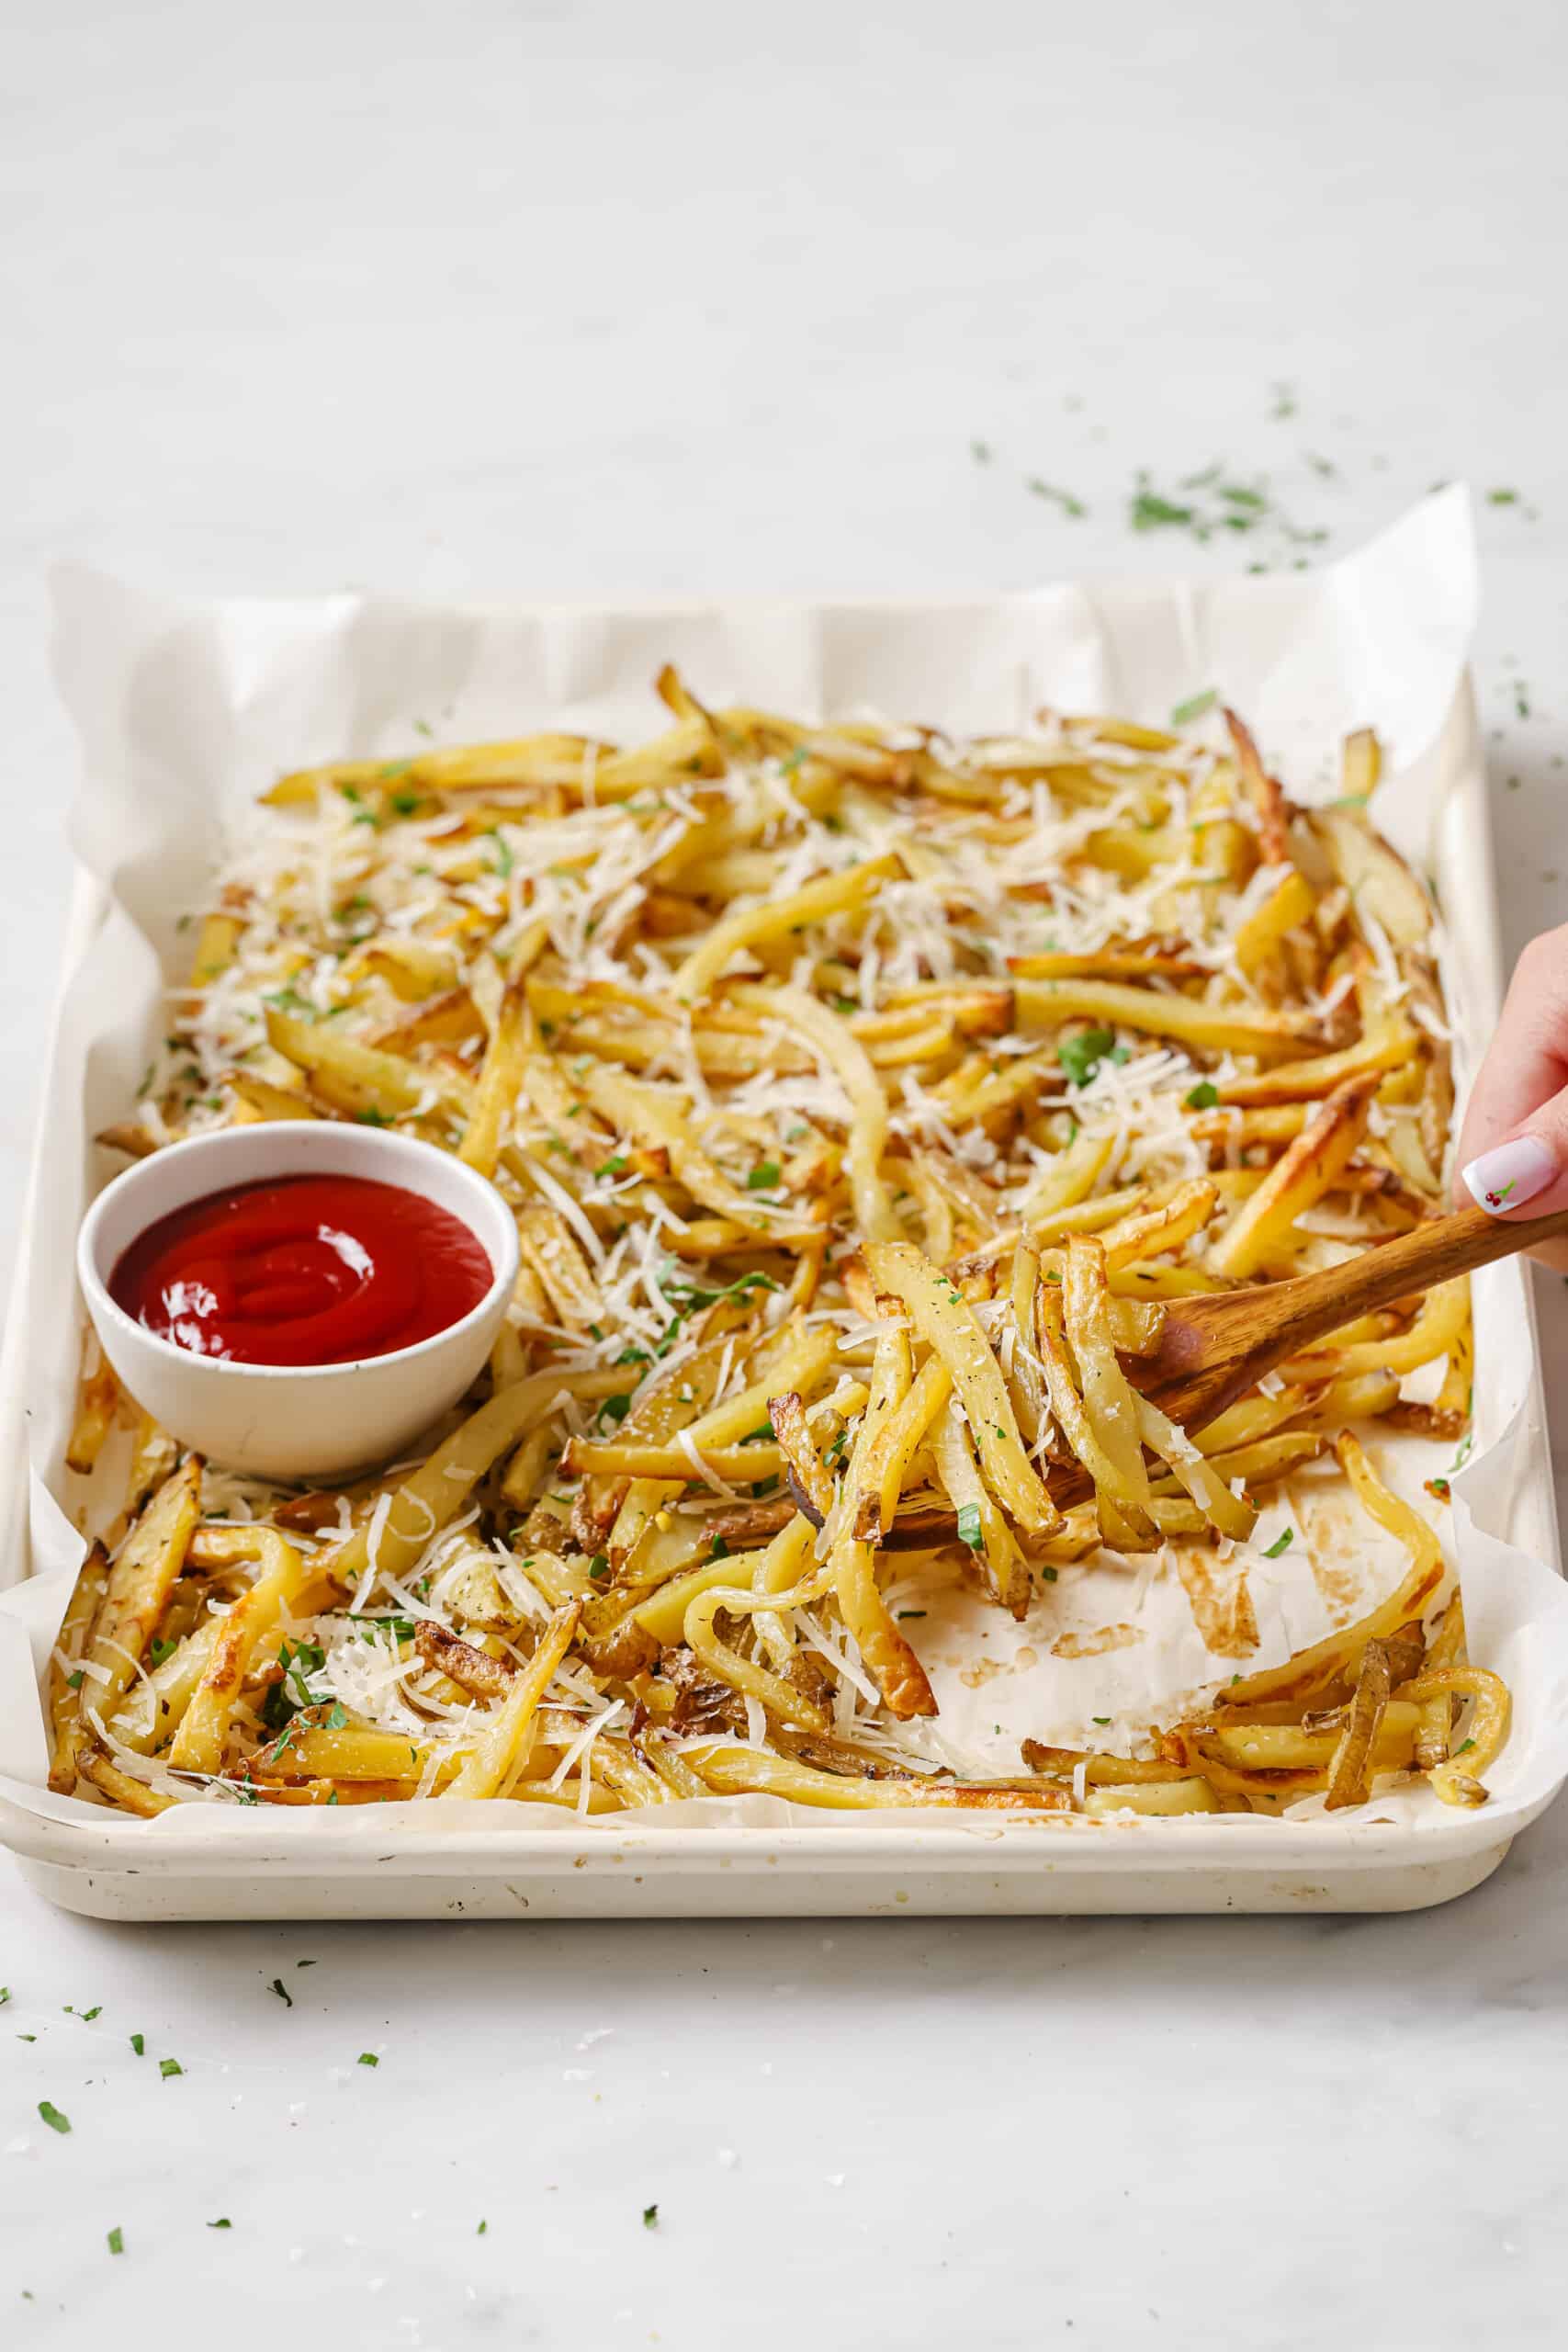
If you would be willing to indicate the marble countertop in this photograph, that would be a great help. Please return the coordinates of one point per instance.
(597, 300)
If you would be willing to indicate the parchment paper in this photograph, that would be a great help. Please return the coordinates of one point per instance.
(185, 712)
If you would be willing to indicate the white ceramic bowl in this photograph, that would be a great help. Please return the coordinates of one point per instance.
(293, 1421)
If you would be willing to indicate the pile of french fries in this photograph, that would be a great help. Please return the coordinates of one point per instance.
(863, 1097)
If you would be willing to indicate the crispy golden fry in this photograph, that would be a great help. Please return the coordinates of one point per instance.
(1440, 1326)
(66, 1676)
(1307, 1169)
(199, 1744)
(751, 926)
(1387, 1045)
(122, 1788)
(1458, 1783)
(720, 1437)
(1350, 1775)
(731, 1771)
(949, 1326)
(436, 1493)
(826, 1032)
(1108, 1396)
(1290, 906)
(894, 1446)
(500, 1078)
(1270, 803)
(155, 1707)
(505, 1740)
(1242, 1029)
(138, 1589)
(98, 1405)
(787, 1414)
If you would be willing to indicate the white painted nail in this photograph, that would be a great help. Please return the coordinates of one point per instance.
(1514, 1174)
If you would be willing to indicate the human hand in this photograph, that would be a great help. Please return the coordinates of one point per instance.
(1512, 1148)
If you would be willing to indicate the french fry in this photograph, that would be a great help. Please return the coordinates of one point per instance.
(98, 1405)
(949, 1328)
(138, 1589)
(199, 1742)
(826, 1032)
(751, 926)
(1241, 1029)
(65, 1677)
(502, 1741)
(500, 1078)
(429, 1500)
(1307, 1169)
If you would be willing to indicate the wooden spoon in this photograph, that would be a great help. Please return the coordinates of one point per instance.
(1215, 1347)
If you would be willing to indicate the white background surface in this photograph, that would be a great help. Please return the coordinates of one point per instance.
(605, 301)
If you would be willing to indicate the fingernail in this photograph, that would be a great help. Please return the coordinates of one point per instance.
(1515, 1172)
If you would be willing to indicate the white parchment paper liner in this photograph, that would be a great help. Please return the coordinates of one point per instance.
(185, 712)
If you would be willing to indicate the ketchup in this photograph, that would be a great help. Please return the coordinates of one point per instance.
(303, 1270)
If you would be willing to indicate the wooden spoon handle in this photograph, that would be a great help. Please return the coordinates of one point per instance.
(1412, 1261)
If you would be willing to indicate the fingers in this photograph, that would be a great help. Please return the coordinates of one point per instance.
(1527, 1061)
(1512, 1148)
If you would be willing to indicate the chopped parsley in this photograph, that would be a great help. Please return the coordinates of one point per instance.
(368, 2058)
(678, 1286)
(503, 860)
(167, 2066)
(138, 2043)
(373, 1117)
(615, 1408)
(1081, 1056)
(1149, 512)
(163, 1648)
(281, 1989)
(1069, 506)
(1280, 1543)
(116, 2241)
(286, 1697)
(1502, 498)
(1201, 1097)
(1194, 707)
(616, 1165)
(969, 1526)
(224, 2223)
(52, 2117)
(650, 2213)
(763, 1176)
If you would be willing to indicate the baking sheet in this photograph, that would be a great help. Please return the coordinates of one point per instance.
(185, 713)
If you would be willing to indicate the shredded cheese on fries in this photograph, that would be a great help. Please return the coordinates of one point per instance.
(864, 1097)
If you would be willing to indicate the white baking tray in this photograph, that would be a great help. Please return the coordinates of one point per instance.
(407, 1862)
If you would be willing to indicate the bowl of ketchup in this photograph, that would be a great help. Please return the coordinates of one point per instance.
(301, 1298)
